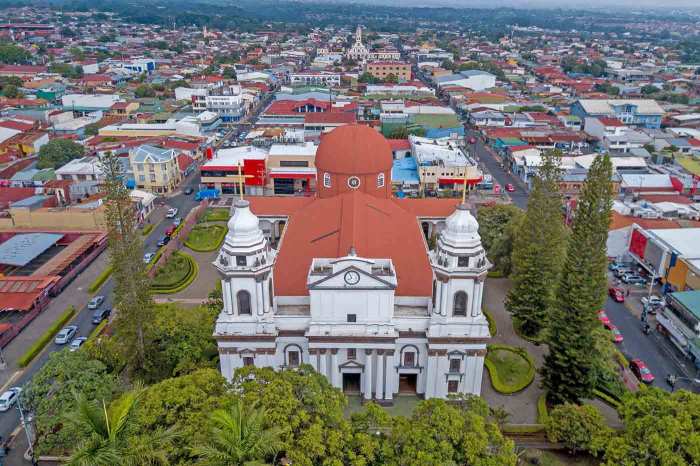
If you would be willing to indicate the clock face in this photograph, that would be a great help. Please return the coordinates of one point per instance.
(353, 182)
(352, 277)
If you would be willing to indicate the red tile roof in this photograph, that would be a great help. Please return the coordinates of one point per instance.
(399, 144)
(329, 117)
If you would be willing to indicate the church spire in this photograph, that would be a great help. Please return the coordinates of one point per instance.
(358, 35)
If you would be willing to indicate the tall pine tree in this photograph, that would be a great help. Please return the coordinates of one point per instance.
(132, 296)
(538, 251)
(568, 372)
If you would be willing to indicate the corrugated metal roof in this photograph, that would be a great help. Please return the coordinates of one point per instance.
(21, 249)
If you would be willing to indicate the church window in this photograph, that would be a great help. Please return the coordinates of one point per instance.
(326, 180)
(293, 358)
(270, 293)
(452, 386)
(240, 261)
(352, 353)
(243, 299)
(409, 359)
(434, 292)
(455, 365)
(248, 361)
(380, 180)
(463, 261)
(460, 304)
(352, 317)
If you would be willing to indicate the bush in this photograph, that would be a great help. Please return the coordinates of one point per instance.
(97, 331)
(176, 275)
(511, 369)
(607, 398)
(523, 428)
(577, 427)
(542, 409)
(206, 238)
(494, 274)
(100, 280)
(40, 343)
(147, 229)
(539, 339)
(493, 330)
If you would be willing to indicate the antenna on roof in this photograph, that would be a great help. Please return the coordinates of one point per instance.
(240, 179)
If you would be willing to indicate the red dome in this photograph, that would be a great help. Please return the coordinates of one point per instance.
(353, 150)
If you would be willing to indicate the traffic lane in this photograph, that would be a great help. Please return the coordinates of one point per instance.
(637, 344)
(9, 420)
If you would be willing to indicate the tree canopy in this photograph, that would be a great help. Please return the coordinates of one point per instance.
(13, 54)
(58, 152)
(498, 226)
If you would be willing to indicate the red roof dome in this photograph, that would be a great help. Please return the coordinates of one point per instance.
(353, 150)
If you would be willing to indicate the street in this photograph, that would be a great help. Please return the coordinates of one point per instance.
(9, 420)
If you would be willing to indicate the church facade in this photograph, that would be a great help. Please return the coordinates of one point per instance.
(347, 283)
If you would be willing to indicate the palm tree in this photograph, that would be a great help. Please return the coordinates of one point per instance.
(239, 438)
(113, 438)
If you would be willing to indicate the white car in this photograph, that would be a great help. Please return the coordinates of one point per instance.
(96, 302)
(171, 213)
(652, 301)
(148, 257)
(77, 343)
(9, 398)
(66, 335)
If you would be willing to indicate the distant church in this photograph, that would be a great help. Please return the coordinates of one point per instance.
(358, 51)
(345, 281)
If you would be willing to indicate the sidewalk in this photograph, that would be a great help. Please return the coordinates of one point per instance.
(75, 294)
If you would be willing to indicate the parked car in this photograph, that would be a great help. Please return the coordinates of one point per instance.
(620, 271)
(188, 191)
(177, 221)
(96, 302)
(653, 301)
(616, 294)
(640, 369)
(616, 334)
(170, 230)
(148, 257)
(172, 213)
(163, 241)
(510, 188)
(633, 278)
(9, 398)
(603, 317)
(76, 343)
(100, 315)
(617, 265)
(66, 335)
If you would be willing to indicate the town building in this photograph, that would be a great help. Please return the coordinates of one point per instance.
(345, 281)
(384, 69)
(358, 51)
(644, 113)
(155, 169)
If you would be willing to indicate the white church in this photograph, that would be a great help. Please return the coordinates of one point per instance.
(346, 282)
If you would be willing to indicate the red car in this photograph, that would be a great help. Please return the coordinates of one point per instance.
(616, 294)
(510, 188)
(472, 140)
(603, 317)
(170, 230)
(641, 370)
(616, 334)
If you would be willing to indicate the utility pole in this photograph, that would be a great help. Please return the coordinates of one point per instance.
(26, 424)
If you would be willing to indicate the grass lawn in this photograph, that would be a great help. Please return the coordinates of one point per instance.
(217, 214)
(513, 371)
(689, 163)
(436, 120)
(205, 238)
(174, 272)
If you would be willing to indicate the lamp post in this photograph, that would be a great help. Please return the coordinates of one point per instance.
(26, 424)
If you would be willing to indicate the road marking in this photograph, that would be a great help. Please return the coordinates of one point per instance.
(11, 380)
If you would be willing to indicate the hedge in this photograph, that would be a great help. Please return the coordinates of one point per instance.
(501, 386)
(536, 340)
(147, 229)
(542, 409)
(523, 428)
(495, 274)
(607, 398)
(193, 271)
(43, 340)
(493, 330)
(100, 280)
(98, 329)
(215, 236)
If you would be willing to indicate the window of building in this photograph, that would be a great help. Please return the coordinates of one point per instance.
(452, 386)
(248, 360)
(352, 353)
(463, 261)
(409, 359)
(153, 178)
(455, 365)
(326, 180)
(294, 163)
(293, 358)
(460, 304)
(240, 260)
(243, 298)
(352, 317)
(380, 180)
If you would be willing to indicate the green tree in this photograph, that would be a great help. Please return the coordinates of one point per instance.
(229, 73)
(132, 287)
(367, 78)
(144, 90)
(239, 436)
(570, 365)
(12, 54)
(50, 396)
(92, 129)
(577, 427)
(112, 437)
(538, 251)
(391, 78)
(58, 152)
(661, 428)
(179, 340)
(498, 226)
(11, 92)
(648, 89)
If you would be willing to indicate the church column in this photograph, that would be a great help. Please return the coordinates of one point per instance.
(226, 294)
(313, 358)
(323, 369)
(368, 374)
(390, 376)
(259, 296)
(443, 299)
(431, 374)
(335, 372)
(379, 389)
